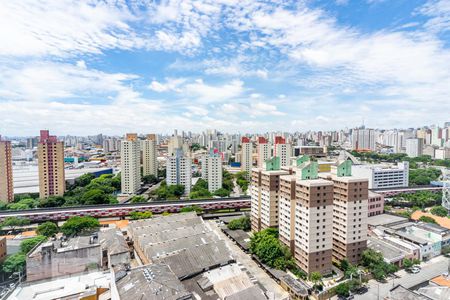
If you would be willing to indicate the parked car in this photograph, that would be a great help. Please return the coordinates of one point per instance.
(415, 270)
(362, 290)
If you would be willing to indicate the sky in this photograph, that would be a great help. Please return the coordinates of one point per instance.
(88, 67)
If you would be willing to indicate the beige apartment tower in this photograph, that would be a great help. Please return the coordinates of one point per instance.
(263, 151)
(350, 211)
(130, 164)
(6, 176)
(264, 195)
(52, 180)
(246, 156)
(149, 155)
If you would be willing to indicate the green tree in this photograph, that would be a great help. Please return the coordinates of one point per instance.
(427, 219)
(166, 213)
(77, 225)
(47, 229)
(439, 211)
(191, 208)
(222, 193)
(53, 201)
(407, 263)
(83, 180)
(28, 244)
(149, 179)
(315, 277)
(14, 263)
(95, 196)
(138, 199)
(138, 215)
(343, 289)
(14, 222)
(241, 223)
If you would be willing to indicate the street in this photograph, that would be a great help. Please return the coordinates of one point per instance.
(430, 269)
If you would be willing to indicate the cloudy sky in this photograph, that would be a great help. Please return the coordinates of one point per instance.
(85, 67)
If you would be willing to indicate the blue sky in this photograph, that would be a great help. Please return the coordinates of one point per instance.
(85, 67)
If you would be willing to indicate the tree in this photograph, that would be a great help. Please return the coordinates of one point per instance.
(47, 229)
(241, 223)
(375, 263)
(191, 208)
(14, 263)
(138, 215)
(343, 289)
(315, 277)
(76, 225)
(439, 211)
(53, 201)
(407, 263)
(28, 244)
(222, 193)
(14, 222)
(138, 199)
(344, 265)
(427, 219)
(95, 196)
(166, 213)
(83, 180)
(150, 179)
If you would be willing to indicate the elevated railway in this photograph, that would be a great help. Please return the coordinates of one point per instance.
(122, 210)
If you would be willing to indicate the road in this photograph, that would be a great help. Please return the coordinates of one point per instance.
(430, 269)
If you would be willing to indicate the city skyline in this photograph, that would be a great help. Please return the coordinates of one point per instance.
(112, 67)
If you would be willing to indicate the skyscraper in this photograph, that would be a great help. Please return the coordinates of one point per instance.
(6, 176)
(179, 171)
(363, 139)
(150, 164)
(414, 147)
(263, 150)
(350, 209)
(212, 170)
(246, 156)
(51, 166)
(130, 164)
(282, 150)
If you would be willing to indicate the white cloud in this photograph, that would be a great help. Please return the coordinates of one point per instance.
(213, 93)
(171, 84)
(439, 13)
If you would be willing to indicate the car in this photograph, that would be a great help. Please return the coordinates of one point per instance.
(415, 270)
(362, 290)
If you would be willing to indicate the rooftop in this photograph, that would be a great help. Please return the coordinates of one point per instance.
(113, 240)
(155, 281)
(401, 293)
(390, 253)
(385, 219)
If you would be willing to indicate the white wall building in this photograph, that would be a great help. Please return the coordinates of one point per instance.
(149, 162)
(263, 150)
(179, 171)
(363, 139)
(282, 150)
(414, 147)
(246, 156)
(384, 176)
(130, 155)
(212, 171)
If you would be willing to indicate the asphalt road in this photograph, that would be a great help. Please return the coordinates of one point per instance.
(430, 269)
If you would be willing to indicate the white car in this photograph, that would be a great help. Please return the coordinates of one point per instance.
(415, 270)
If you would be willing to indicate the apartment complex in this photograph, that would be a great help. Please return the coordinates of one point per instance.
(52, 180)
(149, 155)
(282, 150)
(264, 194)
(363, 139)
(246, 156)
(6, 176)
(178, 170)
(350, 209)
(212, 170)
(384, 176)
(130, 164)
(414, 147)
(263, 150)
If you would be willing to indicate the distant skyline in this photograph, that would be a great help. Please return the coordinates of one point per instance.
(85, 67)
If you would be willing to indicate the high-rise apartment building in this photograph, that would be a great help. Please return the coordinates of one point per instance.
(350, 210)
(179, 171)
(130, 155)
(246, 156)
(414, 147)
(6, 176)
(149, 155)
(263, 150)
(51, 166)
(313, 239)
(363, 139)
(282, 150)
(212, 170)
(264, 194)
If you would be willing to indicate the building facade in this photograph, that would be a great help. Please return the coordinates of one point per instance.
(384, 176)
(376, 204)
(414, 147)
(149, 155)
(246, 156)
(52, 180)
(263, 151)
(6, 176)
(178, 170)
(282, 150)
(212, 171)
(363, 139)
(130, 155)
